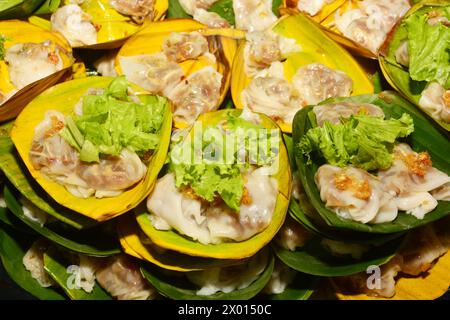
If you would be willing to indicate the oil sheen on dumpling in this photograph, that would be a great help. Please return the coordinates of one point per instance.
(410, 180)
(121, 277)
(179, 47)
(58, 161)
(355, 194)
(29, 62)
(212, 223)
(435, 100)
(75, 25)
(316, 82)
(369, 24)
(312, 7)
(264, 48)
(153, 72)
(228, 279)
(253, 15)
(138, 10)
(332, 112)
(197, 94)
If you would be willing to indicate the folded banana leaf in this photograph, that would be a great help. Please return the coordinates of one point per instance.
(313, 258)
(93, 242)
(425, 137)
(13, 246)
(14, 9)
(172, 240)
(57, 266)
(49, 6)
(315, 46)
(16, 32)
(150, 40)
(397, 75)
(63, 98)
(113, 28)
(173, 286)
(130, 239)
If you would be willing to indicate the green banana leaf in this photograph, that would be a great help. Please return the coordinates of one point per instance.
(315, 259)
(425, 137)
(91, 242)
(177, 288)
(48, 7)
(18, 175)
(13, 246)
(223, 8)
(301, 288)
(57, 268)
(13, 9)
(398, 75)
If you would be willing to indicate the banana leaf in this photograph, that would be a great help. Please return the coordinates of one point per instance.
(425, 137)
(16, 32)
(316, 47)
(49, 6)
(93, 242)
(63, 98)
(397, 75)
(173, 287)
(315, 259)
(57, 267)
(172, 240)
(13, 246)
(18, 176)
(14, 9)
(128, 231)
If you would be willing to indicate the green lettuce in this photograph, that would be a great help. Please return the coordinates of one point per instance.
(112, 121)
(363, 141)
(211, 172)
(429, 50)
(2, 47)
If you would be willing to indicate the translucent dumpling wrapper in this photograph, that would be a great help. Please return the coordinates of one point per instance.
(196, 78)
(34, 59)
(435, 100)
(33, 261)
(211, 19)
(302, 51)
(332, 112)
(138, 10)
(56, 166)
(253, 15)
(190, 6)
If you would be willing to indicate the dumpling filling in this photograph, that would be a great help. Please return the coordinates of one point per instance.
(179, 47)
(369, 24)
(30, 62)
(75, 25)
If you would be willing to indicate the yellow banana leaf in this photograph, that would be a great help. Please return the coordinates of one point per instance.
(316, 46)
(63, 98)
(16, 31)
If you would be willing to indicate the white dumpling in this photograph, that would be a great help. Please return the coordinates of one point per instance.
(312, 7)
(153, 72)
(253, 15)
(435, 100)
(316, 82)
(197, 94)
(33, 260)
(282, 276)
(402, 54)
(121, 278)
(292, 235)
(228, 279)
(355, 194)
(179, 47)
(211, 19)
(190, 6)
(105, 65)
(75, 25)
(137, 9)
(442, 193)
(332, 112)
(32, 212)
(30, 62)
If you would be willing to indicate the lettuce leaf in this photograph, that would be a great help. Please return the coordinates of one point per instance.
(214, 175)
(429, 50)
(112, 121)
(363, 141)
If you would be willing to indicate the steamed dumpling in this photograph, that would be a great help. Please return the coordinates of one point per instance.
(75, 25)
(355, 194)
(153, 72)
(138, 10)
(190, 6)
(33, 260)
(332, 112)
(253, 15)
(402, 54)
(282, 276)
(211, 19)
(316, 82)
(179, 47)
(30, 62)
(435, 100)
(292, 235)
(105, 64)
(312, 7)
(197, 94)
